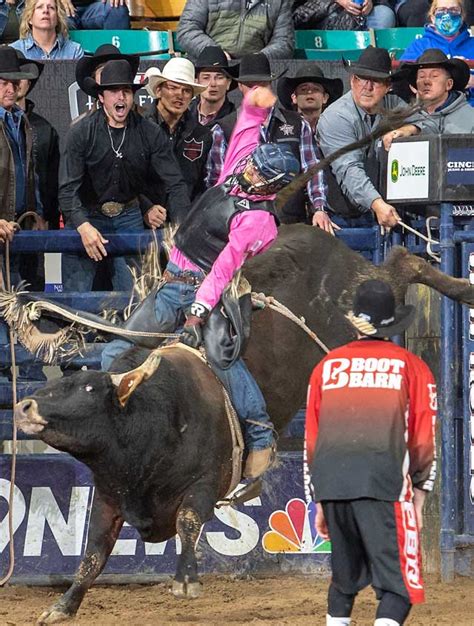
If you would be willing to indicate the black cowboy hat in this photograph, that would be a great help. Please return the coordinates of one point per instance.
(433, 57)
(12, 67)
(116, 73)
(213, 59)
(374, 312)
(372, 63)
(287, 85)
(253, 68)
(107, 52)
(39, 66)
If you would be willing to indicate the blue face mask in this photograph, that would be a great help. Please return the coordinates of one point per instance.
(447, 24)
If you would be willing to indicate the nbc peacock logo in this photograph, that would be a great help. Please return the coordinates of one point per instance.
(293, 530)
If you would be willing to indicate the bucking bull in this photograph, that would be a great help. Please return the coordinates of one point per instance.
(162, 457)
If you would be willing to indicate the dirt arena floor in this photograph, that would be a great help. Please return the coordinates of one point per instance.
(292, 600)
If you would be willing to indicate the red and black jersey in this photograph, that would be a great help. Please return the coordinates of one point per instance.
(370, 423)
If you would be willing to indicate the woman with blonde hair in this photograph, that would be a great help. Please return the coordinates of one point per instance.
(44, 32)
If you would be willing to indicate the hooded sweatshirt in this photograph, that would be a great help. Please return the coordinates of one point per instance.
(455, 118)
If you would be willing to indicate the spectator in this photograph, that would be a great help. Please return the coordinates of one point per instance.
(172, 90)
(10, 16)
(439, 84)
(344, 15)
(309, 92)
(447, 31)
(18, 191)
(213, 103)
(370, 449)
(239, 28)
(287, 127)
(45, 152)
(97, 14)
(351, 118)
(44, 32)
(414, 12)
(109, 159)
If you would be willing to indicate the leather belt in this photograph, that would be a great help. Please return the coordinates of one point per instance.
(185, 277)
(112, 209)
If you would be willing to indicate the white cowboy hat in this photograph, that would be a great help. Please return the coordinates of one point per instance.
(177, 70)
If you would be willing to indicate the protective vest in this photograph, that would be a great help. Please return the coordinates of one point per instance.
(205, 231)
(284, 127)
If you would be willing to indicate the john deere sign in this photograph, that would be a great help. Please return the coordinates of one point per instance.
(408, 171)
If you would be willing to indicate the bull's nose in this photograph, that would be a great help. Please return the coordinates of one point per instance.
(24, 408)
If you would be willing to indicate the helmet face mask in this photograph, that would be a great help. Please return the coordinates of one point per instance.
(268, 169)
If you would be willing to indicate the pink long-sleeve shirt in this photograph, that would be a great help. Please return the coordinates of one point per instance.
(251, 232)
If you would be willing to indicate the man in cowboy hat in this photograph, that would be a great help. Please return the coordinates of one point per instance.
(439, 84)
(172, 91)
(351, 118)
(211, 70)
(282, 126)
(309, 92)
(111, 157)
(371, 455)
(19, 189)
(18, 192)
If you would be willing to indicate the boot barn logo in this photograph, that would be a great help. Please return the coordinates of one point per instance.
(80, 102)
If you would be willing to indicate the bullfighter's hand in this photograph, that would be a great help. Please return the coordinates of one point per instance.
(7, 230)
(349, 6)
(321, 526)
(195, 320)
(93, 241)
(155, 216)
(262, 97)
(386, 214)
(322, 220)
(69, 8)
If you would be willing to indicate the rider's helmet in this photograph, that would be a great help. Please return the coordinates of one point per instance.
(270, 167)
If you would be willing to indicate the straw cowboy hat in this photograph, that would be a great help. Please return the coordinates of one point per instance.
(177, 70)
(374, 312)
(433, 57)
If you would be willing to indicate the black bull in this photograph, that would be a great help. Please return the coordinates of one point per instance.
(163, 460)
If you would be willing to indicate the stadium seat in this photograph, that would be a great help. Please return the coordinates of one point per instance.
(174, 46)
(333, 39)
(127, 40)
(396, 38)
(327, 55)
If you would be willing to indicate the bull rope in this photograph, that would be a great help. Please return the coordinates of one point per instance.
(11, 492)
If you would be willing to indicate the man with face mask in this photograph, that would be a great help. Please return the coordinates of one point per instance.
(109, 159)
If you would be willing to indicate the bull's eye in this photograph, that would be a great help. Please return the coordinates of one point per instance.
(89, 388)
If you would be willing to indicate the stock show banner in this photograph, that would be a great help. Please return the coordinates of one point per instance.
(51, 512)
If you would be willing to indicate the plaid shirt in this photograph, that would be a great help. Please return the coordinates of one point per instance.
(216, 156)
(309, 156)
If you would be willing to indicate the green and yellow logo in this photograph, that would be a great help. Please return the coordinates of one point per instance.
(394, 172)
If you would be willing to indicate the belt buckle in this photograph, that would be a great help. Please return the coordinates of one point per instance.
(112, 209)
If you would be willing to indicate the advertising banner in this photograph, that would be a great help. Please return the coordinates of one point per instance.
(52, 505)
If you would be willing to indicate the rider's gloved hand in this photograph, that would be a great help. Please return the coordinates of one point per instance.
(195, 320)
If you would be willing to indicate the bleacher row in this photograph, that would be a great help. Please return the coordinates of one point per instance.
(322, 45)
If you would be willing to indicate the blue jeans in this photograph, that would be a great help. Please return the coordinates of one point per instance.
(381, 16)
(78, 271)
(172, 300)
(100, 16)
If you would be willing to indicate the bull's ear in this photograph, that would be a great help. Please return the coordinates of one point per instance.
(127, 382)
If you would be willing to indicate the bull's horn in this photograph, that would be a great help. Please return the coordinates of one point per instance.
(127, 382)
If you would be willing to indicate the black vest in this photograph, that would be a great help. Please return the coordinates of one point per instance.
(285, 127)
(205, 231)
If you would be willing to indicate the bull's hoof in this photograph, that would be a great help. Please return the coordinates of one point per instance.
(54, 615)
(186, 590)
